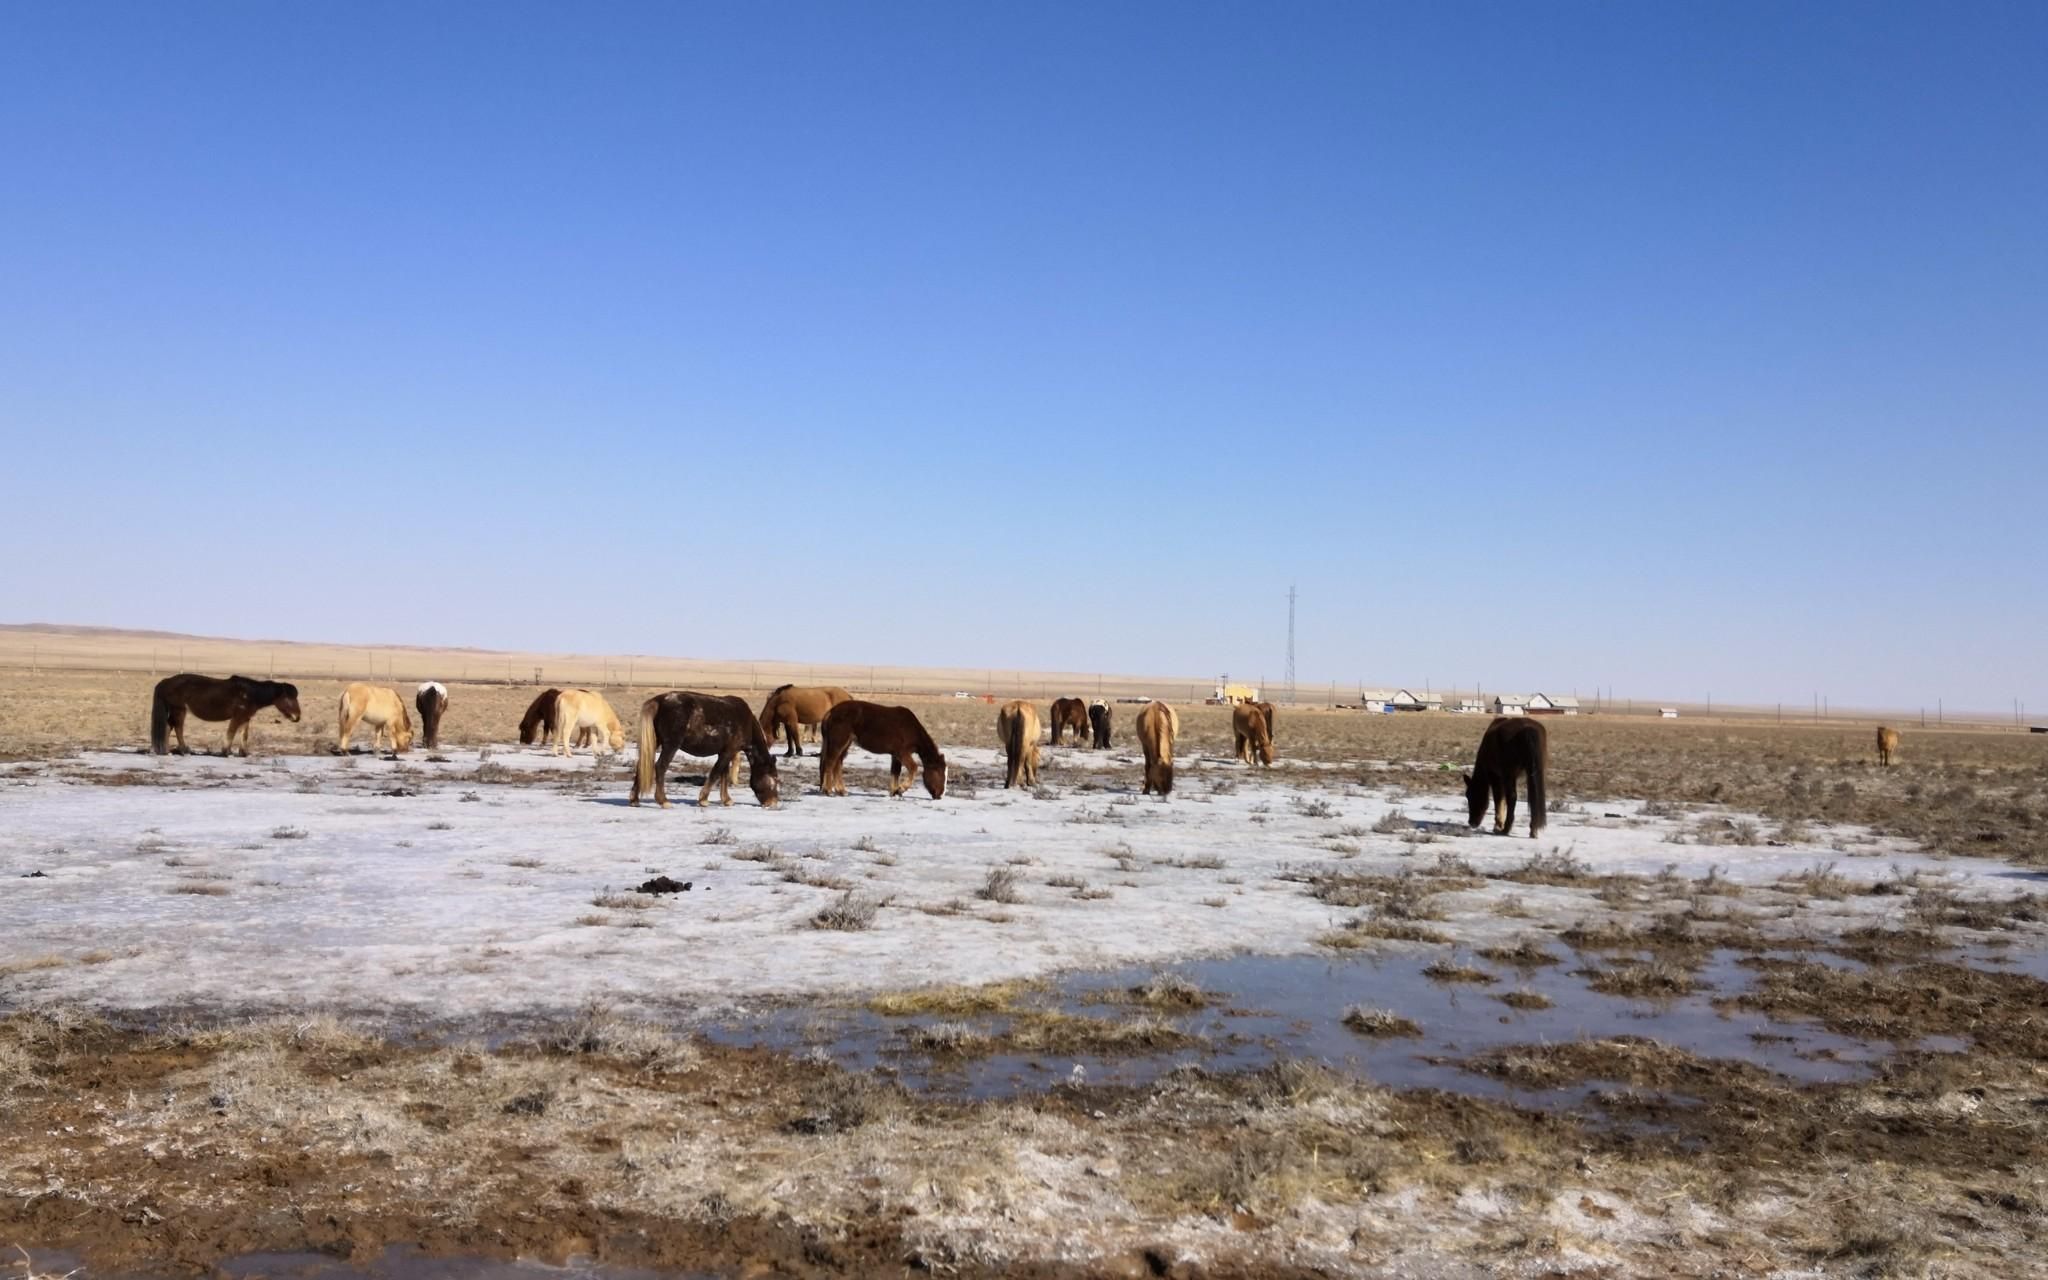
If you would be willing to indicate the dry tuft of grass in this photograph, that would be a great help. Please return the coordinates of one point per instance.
(850, 912)
(1646, 979)
(1361, 932)
(1000, 885)
(954, 1001)
(200, 888)
(1524, 999)
(1451, 971)
(1379, 1022)
(613, 900)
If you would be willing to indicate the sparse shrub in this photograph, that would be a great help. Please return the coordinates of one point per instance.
(288, 833)
(1379, 1022)
(849, 912)
(1391, 822)
(999, 886)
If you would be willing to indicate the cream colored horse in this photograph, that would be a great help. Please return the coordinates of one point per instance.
(1017, 730)
(380, 708)
(1158, 726)
(1887, 745)
(579, 709)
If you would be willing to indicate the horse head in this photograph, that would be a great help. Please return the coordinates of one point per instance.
(761, 776)
(935, 776)
(1475, 799)
(285, 697)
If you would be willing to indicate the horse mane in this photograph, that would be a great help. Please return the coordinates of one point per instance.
(927, 750)
(780, 688)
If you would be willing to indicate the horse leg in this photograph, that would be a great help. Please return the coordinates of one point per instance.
(902, 772)
(1501, 791)
(178, 728)
(238, 724)
(1507, 792)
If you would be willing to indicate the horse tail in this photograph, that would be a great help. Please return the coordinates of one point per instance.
(1012, 723)
(1537, 759)
(643, 768)
(159, 722)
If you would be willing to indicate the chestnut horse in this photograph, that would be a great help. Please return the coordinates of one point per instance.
(791, 706)
(1017, 730)
(703, 724)
(432, 701)
(1887, 744)
(894, 732)
(1253, 733)
(1158, 726)
(538, 725)
(1069, 713)
(579, 709)
(236, 700)
(1099, 716)
(1513, 746)
(381, 709)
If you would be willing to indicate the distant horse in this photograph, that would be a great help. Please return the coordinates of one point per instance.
(790, 707)
(579, 709)
(538, 725)
(1887, 745)
(1252, 732)
(1017, 730)
(1099, 718)
(381, 709)
(888, 731)
(432, 701)
(703, 724)
(1069, 713)
(236, 700)
(1158, 726)
(1513, 746)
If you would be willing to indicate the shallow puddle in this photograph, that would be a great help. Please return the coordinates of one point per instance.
(1264, 1008)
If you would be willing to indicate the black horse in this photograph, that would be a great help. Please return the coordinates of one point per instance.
(1512, 746)
(236, 700)
(703, 724)
(1099, 717)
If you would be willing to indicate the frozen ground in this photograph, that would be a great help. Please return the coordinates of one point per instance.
(479, 887)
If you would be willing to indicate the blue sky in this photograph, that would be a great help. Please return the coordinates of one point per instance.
(1682, 349)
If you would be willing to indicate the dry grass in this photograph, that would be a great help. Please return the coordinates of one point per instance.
(1379, 1022)
(952, 1001)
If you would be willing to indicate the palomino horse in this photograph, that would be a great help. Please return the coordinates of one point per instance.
(1098, 718)
(579, 709)
(1513, 746)
(1158, 726)
(1887, 744)
(1017, 730)
(1252, 732)
(1069, 713)
(432, 701)
(791, 706)
(381, 709)
(703, 724)
(236, 700)
(894, 732)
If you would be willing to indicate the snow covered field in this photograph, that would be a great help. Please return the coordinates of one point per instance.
(420, 890)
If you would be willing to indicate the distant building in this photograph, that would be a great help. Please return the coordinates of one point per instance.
(1407, 700)
(1668, 713)
(1375, 700)
(1469, 707)
(1510, 704)
(1553, 704)
(1226, 694)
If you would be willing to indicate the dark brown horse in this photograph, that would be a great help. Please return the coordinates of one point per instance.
(894, 732)
(1513, 746)
(703, 724)
(432, 701)
(1069, 713)
(236, 700)
(538, 726)
(1099, 717)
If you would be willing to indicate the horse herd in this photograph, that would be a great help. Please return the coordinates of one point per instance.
(1514, 749)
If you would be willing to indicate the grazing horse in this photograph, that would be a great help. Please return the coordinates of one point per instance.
(236, 700)
(1069, 713)
(1099, 717)
(894, 732)
(703, 724)
(432, 700)
(579, 709)
(1017, 730)
(1253, 733)
(538, 725)
(790, 707)
(381, 709)
(1513, 746)
(1887, 745)
(1158, 726)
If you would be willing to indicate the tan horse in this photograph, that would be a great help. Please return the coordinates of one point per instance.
(1017, 730)
(382, 710)
(1252, 728)
(579, 709)
(1158, 726)
(792, 708)
(1887, 745)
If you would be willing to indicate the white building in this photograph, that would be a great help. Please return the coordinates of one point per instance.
(1510, 704)
(1408, 700)
(1668, 713)
(1553, 704)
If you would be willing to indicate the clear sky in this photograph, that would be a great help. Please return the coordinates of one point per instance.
(1678, 348)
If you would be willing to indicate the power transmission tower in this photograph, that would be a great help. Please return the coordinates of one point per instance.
(1290, 644)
